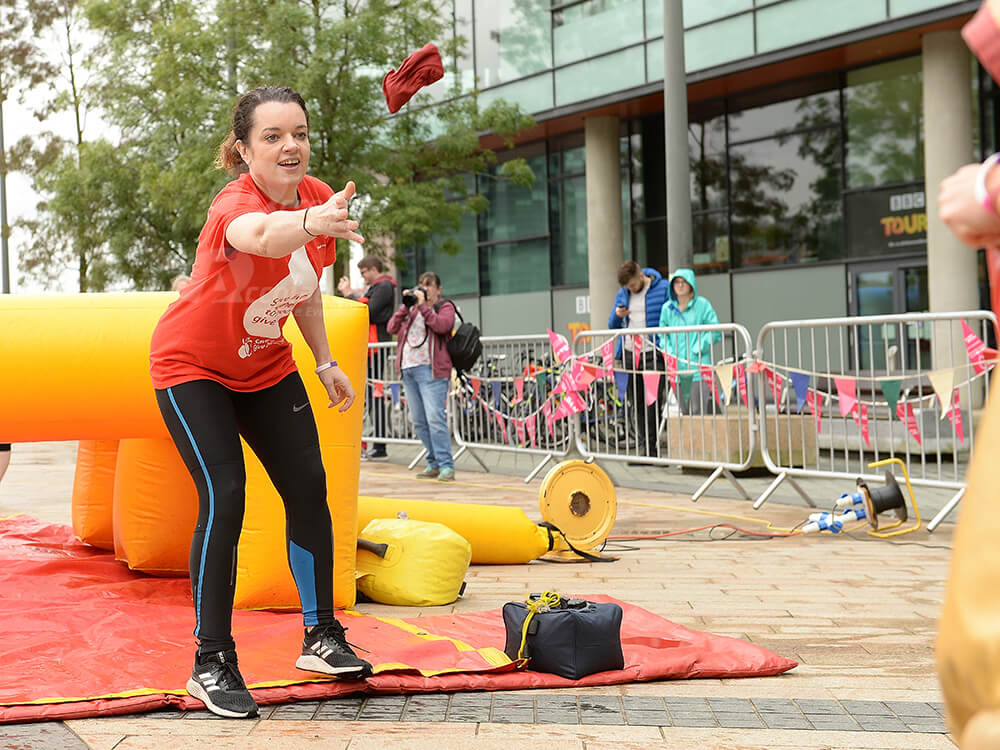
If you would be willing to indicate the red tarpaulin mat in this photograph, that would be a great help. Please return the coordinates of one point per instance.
(81, 635)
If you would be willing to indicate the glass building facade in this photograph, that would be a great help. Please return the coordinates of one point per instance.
(823, 168)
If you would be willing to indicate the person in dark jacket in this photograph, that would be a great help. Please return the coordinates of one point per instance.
(637, 305)
(380, 296)
(423, 329)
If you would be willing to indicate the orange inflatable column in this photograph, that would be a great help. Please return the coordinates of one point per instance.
(263, 579)
(155, 507)
(93, 492)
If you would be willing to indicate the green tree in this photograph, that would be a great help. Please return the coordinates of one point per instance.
(61, 167)
(170, 73)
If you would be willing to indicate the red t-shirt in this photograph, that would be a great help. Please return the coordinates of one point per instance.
(226, 325)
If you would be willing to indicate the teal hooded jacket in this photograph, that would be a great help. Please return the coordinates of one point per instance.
(690, 348)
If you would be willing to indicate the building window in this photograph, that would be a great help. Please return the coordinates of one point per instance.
(588, 28)
(568, 216)
(514, 230)
(885, 125)
(459, 273)
(513, 40)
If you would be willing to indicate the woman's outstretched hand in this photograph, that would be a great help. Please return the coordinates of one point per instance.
(331, 218)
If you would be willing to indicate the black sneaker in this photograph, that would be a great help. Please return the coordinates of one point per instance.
(325, 649)
(216, 681)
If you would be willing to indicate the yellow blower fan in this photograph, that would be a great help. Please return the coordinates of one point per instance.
(578, 504)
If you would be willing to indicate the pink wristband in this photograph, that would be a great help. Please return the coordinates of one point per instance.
(982, 195)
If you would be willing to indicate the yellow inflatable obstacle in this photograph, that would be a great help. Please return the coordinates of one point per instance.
(94, 491)
(76, 367)
(578, 505)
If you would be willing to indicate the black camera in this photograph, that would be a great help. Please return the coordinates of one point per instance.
(410, 296)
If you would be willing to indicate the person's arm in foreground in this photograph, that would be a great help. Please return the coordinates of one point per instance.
(281, 233)
(309, 316)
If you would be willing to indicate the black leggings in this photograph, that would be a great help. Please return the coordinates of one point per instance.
(205, 420)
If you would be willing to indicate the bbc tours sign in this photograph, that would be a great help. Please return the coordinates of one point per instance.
(888, 221)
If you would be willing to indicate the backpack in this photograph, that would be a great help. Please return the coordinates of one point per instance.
(464, 346)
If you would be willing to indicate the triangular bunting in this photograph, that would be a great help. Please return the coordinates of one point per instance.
(560, 347)
(741, 384)
(378, 390)
(518, 392)
(519, 426)
(708, 378)
(529, 426)
(608, 355)
(777, 383)
(904, 411)
(942, 381)
(476, 384)
(955, 416)
(621, 383)
(671, 363)
(652, 382)
(540, 379)
(725, 375)
(394, 390)
(800, 382)
(846, 395)
(495, 386)
(975, 347)
(813, 402)
(890, 389)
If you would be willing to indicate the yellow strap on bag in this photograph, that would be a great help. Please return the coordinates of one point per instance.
(548, 600)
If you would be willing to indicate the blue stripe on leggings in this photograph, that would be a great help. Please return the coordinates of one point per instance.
(211, 511)
(304, 571)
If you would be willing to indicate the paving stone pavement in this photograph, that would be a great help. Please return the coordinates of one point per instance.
(857, 613)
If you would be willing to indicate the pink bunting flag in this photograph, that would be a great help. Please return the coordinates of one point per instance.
(589, 373)
(813, 402)
(905, 412)
(652, 382)
(608, 355)
(975, 347)
(518, 391)
(777, 383)
(671, 362)
(636, 351)
(529, 426)
(476, 384)
(547, 413)
(708, 376)
(560, 347)
(519, 427)
(566, 383)
(502, 424)
(379, 389)
(846, 395)
(861, 418)
(574, 403)
(742, 384)
(955, 415)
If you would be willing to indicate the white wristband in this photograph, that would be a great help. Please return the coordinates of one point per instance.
(326, 366)
(983, 197)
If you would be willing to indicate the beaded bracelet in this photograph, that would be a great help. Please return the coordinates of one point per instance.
(325, 366)
(983, 197)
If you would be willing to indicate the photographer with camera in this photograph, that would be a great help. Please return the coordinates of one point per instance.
(424, 323)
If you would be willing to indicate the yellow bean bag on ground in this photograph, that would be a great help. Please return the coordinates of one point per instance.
(94, 492)
(968, 645)
(424, 564)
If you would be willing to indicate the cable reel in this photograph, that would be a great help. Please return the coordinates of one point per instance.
(578, 504)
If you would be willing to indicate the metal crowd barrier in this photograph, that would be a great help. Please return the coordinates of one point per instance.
(387, 417)
(837, 394)
(498, 406)
(669, 402)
